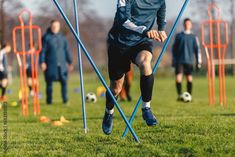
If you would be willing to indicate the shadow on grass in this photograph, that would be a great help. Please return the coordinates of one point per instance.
(90, 118)
(186, 152)
(225, 114)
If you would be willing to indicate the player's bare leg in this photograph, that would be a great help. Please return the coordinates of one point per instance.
(143, 60)
(115, 87)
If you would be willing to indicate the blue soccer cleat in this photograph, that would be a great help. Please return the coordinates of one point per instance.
(148, 116)
(107, 124)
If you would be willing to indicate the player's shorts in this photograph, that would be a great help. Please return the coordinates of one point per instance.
(185, 69)
(119, 59)
(3, 75)
(29, 72)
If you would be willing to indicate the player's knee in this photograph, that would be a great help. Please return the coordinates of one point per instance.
(179, 78)
(117, 90)
(30, 82)
(189, 78)
(145, 67)
(4, 83)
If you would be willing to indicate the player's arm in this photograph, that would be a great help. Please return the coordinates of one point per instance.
(5, 64)
(174, 48)
(42, 57)
(67, 51)
(160, 34)
(197, 52)
(68, 55)
(123, 16)
(161, 17)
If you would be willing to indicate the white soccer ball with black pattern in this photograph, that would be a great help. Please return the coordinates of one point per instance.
(91, 97)
(186, 97)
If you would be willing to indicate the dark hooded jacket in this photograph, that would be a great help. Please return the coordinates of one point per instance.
(56, 54)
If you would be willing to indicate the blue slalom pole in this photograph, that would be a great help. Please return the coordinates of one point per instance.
(80, 68)
(96, 69)
(158, 61)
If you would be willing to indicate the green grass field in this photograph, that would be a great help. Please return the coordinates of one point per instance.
(192, 129)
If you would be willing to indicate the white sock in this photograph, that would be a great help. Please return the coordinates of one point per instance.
(146, 104)
(110, 111)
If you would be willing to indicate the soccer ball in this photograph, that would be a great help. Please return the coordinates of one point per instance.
(186, 97)
(91, 97)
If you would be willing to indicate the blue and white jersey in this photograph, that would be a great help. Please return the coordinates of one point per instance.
(3, 61)
(134, 18)
(185, 46)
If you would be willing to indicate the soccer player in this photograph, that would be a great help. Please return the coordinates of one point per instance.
(6, 48)
(29, 73)
(125, 92)
(186, 45)
(130, 40)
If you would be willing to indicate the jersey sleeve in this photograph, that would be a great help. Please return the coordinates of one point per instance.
(42, 55)
(174, 48)
(161, 17)
(68, 52)
(197, 51)
(124, 17)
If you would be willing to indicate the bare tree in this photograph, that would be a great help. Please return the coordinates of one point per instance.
(2, 16)
(93, 29)
(200, 5)
(8, 8)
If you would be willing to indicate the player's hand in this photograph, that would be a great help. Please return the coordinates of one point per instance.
(153, 34)
(43, 67)
(159, 36)
(70, 67)
(198, 67)
(162, 35)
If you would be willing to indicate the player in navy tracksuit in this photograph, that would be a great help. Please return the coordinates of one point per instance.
(186, 45)
(130, 40)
